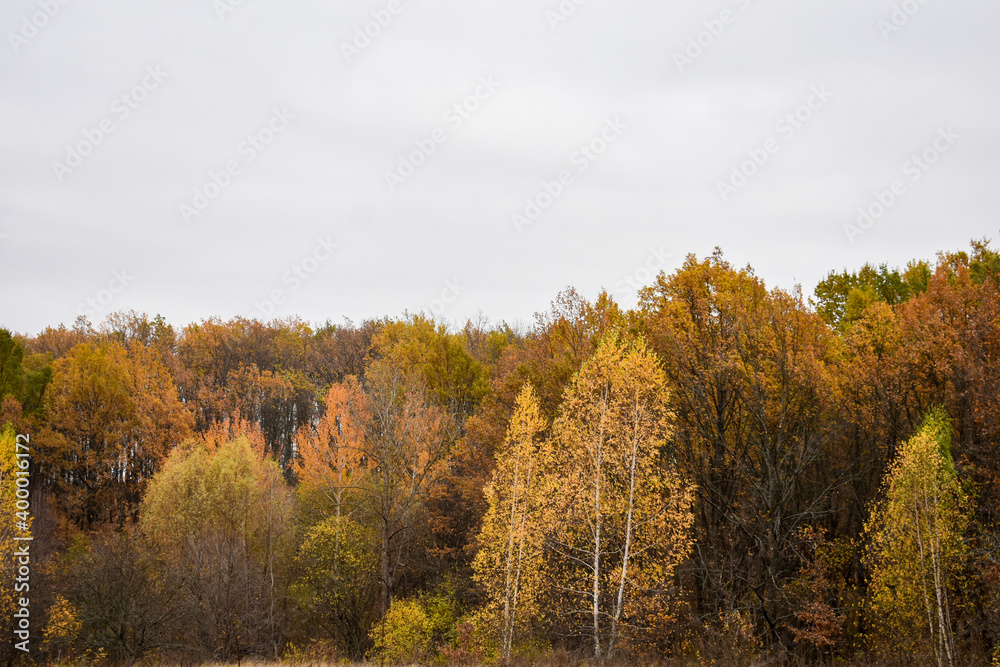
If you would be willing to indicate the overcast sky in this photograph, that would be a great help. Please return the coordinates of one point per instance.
(261, 158)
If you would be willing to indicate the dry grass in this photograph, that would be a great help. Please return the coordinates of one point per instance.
(742, 661)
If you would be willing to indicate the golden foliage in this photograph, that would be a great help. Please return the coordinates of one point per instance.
(113, 416)
(509, 562)
(621, 520)
(917, 551)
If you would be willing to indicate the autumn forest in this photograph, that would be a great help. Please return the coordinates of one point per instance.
(729, 473)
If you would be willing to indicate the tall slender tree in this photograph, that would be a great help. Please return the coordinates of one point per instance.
(622, 521)
(916, 551)
(509, 561)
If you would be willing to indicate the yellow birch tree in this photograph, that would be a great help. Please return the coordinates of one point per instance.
(622, 521)
(916, 551)
(509, 562)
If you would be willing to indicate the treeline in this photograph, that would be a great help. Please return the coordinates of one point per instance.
(727, 472)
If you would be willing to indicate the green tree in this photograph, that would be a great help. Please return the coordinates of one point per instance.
(24, 378)
(985, 262)
(11, 373)
(841, 298)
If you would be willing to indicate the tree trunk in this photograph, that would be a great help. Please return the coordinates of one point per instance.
(619, 602)
(597, 553)
(384, 569)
